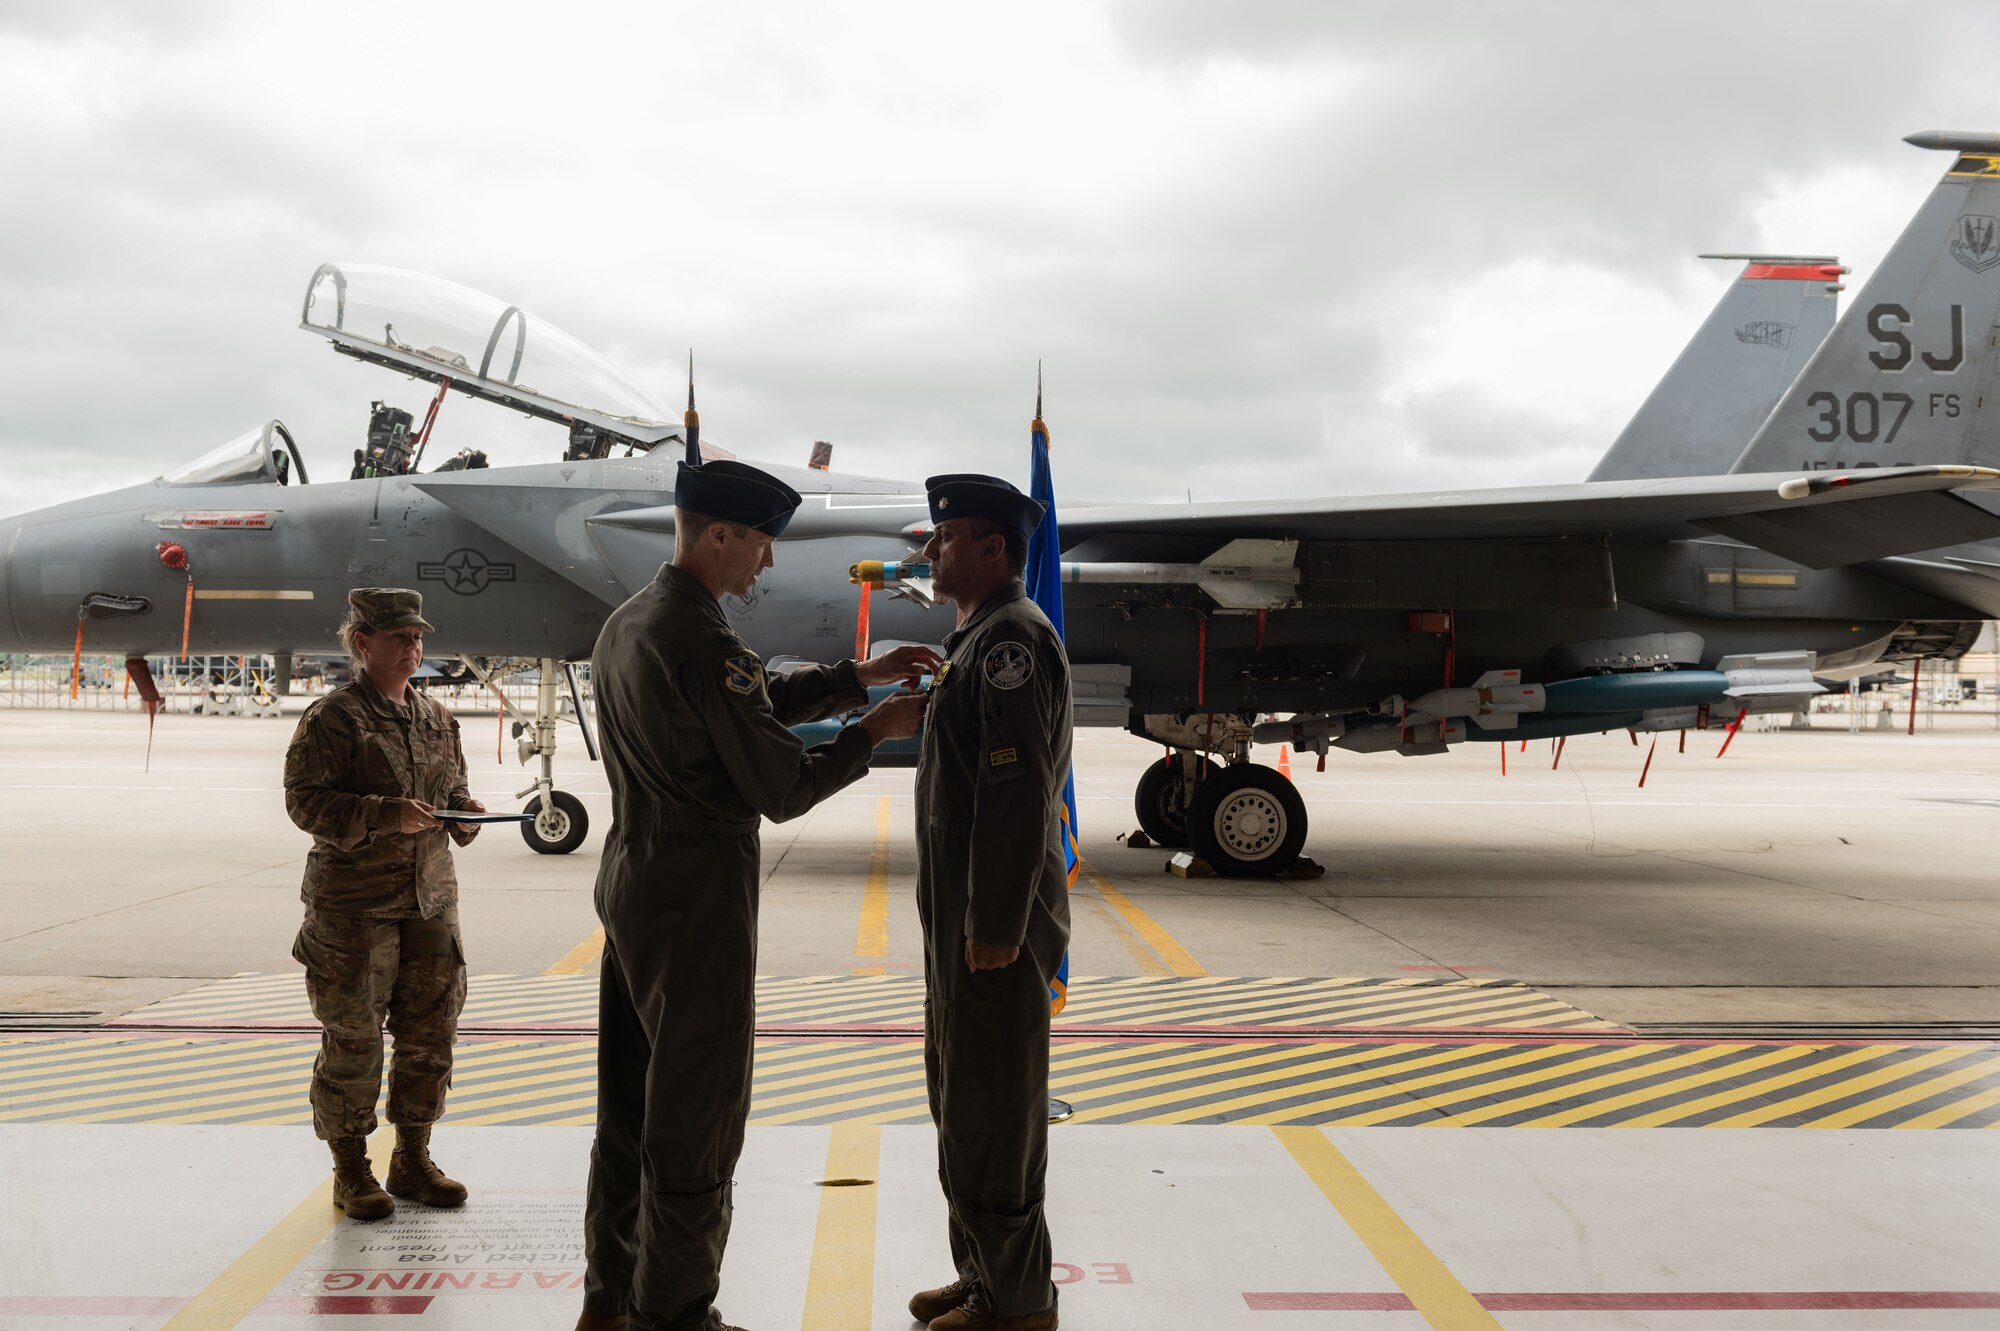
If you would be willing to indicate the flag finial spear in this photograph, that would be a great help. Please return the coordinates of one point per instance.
(691, 420)
(1038, 388)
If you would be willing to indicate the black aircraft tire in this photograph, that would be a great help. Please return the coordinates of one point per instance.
(1161, 802)
(559, 830)
(1247, 821)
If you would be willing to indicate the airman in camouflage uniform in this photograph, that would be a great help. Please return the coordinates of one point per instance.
(380, 941)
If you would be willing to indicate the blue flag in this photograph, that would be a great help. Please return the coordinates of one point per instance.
(1045, 586)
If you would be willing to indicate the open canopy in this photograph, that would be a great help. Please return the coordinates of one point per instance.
(441, 331)
(260, 456)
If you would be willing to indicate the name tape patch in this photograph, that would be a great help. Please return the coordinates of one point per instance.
(1001, 757)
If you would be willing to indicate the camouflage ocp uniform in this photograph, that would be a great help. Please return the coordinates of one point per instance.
(380, 942)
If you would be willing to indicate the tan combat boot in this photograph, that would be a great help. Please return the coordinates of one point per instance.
(970, 1316)
(355, 1190)
(413, 1174)
(935, 1303)
(590, 1321)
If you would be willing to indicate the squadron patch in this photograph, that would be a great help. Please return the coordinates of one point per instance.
(1009, 666)
(743, 674)
(1001, 757)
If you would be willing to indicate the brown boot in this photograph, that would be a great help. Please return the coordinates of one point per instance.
(413, 1174)
(935, 1303)
(590, 1321)
(970, 1316)
(355, 1190)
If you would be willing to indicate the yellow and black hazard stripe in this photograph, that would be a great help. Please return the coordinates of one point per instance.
(786, 1004)
(1558, 1081)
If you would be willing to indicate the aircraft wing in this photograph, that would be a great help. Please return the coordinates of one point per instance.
(1820, 519)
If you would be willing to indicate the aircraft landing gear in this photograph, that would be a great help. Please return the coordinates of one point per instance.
(1247, 821)
(1162, 799)
(559, 823)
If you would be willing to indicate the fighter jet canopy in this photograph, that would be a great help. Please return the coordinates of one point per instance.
(266, 454)
(441, 331)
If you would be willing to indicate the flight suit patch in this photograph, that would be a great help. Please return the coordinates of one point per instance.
(743, 674)
(1009, 665)
(937, 677)
(1001, 757)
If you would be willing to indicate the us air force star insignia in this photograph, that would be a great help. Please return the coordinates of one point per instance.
(742, 674)
(1008, 666)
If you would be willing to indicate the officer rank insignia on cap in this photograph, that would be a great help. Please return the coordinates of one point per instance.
(743, 674)
(1009, 666)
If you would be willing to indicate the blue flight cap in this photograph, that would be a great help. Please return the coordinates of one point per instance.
(967, 494)
(737, 492)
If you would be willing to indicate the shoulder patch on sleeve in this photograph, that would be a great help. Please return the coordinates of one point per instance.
(743, 674)
(1009, 665)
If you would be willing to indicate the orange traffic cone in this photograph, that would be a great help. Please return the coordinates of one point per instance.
(1285, 761)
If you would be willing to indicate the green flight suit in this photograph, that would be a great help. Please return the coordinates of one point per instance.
(695, 744)
(996, 751)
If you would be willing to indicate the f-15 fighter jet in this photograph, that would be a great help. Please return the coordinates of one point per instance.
(1402, 623)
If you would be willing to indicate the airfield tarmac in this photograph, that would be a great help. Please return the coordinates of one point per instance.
(1541, 1050)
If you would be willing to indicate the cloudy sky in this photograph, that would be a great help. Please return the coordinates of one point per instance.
(1269, 248)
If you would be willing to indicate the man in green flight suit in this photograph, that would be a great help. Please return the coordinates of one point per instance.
(696, 747)
(992, 892)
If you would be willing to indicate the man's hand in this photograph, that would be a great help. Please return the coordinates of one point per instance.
(986, 957)
(415, 816)
(895, 717)
(905, 664)
(473, 806)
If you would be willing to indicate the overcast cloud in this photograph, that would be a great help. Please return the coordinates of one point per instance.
(1263, 248)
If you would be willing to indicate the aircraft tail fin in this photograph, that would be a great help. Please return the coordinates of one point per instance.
(1904, 376)
(1700, 416)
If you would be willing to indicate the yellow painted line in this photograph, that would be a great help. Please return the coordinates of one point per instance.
(581, 957)
(228, 1298)
(1436, 1293)
(1701, 1076)
(840, 1286)
(1516, 1104)
(1923, 1090)
(1389, 1082)
(1840, 1090)
(1177, 958)
(1142, 956)
(1251, 1068)
(871, 935)
(1536, 1076)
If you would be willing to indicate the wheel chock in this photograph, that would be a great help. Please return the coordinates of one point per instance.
(1305, 867)
(1187, 864)
(1138, 841)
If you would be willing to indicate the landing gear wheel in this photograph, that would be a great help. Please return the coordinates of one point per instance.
(1247, 821)
(557, 830)
(1161, 802)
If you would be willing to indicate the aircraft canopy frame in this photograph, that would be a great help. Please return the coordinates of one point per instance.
(481, 346)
